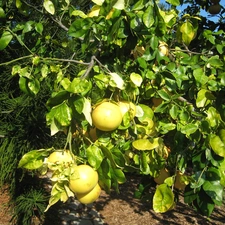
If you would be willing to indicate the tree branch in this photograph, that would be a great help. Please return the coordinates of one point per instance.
(15, 60)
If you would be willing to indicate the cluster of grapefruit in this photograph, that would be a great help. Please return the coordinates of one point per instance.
(83, 179)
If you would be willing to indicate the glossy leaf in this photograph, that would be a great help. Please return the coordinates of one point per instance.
(217, 145)
(5, 39)
(32, 160)
(188, 32)
(147, 144)
(49, 6)
(87, 110)
(61, 113)
(136, 79)
(95, 156)
(148, 17)
(163, 199)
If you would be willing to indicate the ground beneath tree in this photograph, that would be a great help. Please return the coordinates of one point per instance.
(124, 209)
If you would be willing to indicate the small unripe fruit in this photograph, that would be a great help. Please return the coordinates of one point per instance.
(214, 9)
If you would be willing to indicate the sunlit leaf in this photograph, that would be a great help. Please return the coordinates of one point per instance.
(5, 39)
(78, 13)
(32, 160)
(148, 17)
(94, 11)
(62, 113)
(39, 27)
(87, 110)
(95, 156)
(120, 5)
(136, 79)
(204, 97)
(98, 2)
(49, 6)
(188, 32)
(163, 199)
(217, 145)
(118, 80)
(174, 2)
(147, 144)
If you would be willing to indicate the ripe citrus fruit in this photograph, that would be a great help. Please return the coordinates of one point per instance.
(61, 156)
(83, 179)
(107, 116)
(163, 48)
(90, 196)
(163, 174)
(179, 182)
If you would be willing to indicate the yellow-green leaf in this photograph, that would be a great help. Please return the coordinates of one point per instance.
(188, 32)
(147, 144)
(217, 145)
(163, 199)
(5, 39)
(49, 6)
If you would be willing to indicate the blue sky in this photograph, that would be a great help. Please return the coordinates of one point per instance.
(203, 12)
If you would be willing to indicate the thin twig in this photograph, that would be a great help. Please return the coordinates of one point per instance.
(67, 60)
(15, 60)
(91, 64)
(60, 24)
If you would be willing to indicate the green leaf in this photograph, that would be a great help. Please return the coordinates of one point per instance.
(204, 97)
(117, 80)
(189, 129)
(205, 204)
(49, 6)
(39, 28)
(163, 199)
(173, 2)
(213, 117)
(98, 2)
(217, 145)
(200, 76)
(120, 176)
(188, 32)
(148, 17)
(53, 199)
(120, 5)
(136, 79)
(32, 160)
(34, 86)
(57, 98)
(62, 113)
(174, 111)
(164, 95)
(78, 13)
(147, 144)
(23, 84)
(215, 61)
(118, 157)
(105, 175)
(109, 155)
(87, 110)
(222, 135)
(79, 86)
(2, 13)
(146, 113)
(28, 26)
(95, 156)
(5, 39)
(144, 167)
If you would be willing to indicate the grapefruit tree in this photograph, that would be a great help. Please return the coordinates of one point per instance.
(93, 64)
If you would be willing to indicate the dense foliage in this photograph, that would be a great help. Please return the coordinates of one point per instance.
(167, 66)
